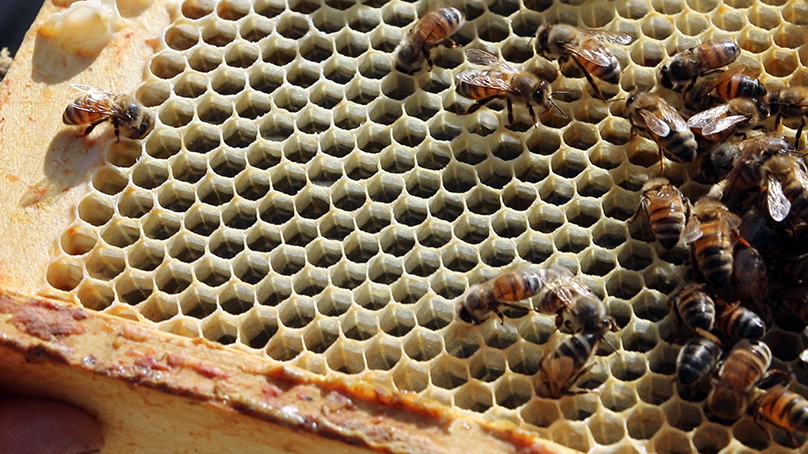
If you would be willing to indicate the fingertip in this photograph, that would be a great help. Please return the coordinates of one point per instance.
(38, 426)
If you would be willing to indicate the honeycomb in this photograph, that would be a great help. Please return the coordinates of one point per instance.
(302, 200)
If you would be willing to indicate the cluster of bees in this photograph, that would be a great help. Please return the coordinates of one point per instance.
(742, 235)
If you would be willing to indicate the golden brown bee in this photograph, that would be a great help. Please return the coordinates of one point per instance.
(784, 409)
(749, 278)
(665, 209)
(791, 103)
(653, 116)
(588, 316)
(686, 66)
(745, 170)
(697, 359)
(560, 370)
(481, 300)
(694, 306)
(786, 186)
(729, 84)
(585, 47)
(711, 230)
(738, 322)
(744, 367)
(435, 27)
(560, 291)
(503, 80)
(722, 120)
(96, 106)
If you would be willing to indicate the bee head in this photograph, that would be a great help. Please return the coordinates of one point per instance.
(542, 37)
(466, 316)
(665, 77)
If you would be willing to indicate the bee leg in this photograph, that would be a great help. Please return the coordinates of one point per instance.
(91, 126)
(590, 80)
(533, 114)
(476, 106)
(450, 43)
(510, 110)
(428, 57)
(574, 379)
(799, 134)
(116, 125)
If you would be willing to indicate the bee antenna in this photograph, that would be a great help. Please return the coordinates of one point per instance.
(560, 110)
(562, 92)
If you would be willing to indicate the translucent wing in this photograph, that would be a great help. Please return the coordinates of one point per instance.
(607, 36)
(707, 117)
(481, 57)
(721, 78)
(723, 124)
(95, 101)
(655, 124)
(594, 52)
(779, 206)
(672, 117)
(692, 230)
(489, 78)
(732, 220)
(90, 90)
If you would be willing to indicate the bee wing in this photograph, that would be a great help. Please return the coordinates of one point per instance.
(481, 57)
(707, 117)
(655, 124)
(723, 77)
(486, 78)
(90, 90)
(97, 102)
(640, 224)
(732, 220)
(597, 54)
(723, 124)
(672, 117)
(611, 37)
(692, 230)
(779, 206)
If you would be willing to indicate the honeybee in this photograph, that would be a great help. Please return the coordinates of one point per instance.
(749, 277)
(694, 306)
(658, 120)
(585, 47)
(686, 66)
(481, 300)
(744, 367)
(435, 27)
(561, 369)
(786, 186)
(792, 103)
(503, 80)
(721, 120)
(665, 209)
(739, 322)
(588, 316)
(697, 359)
(711, 230)
(96, 106)
(730, 84)
(784, 409)
(560, 291)
(745, 169)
